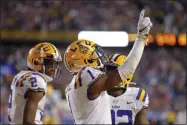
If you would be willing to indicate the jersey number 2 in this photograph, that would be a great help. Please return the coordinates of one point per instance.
(121, 113)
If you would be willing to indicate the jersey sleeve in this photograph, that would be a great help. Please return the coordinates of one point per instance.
(86, 76)
(142, 99)
(34, 81)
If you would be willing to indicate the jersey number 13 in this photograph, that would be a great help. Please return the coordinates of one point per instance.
(121, 113)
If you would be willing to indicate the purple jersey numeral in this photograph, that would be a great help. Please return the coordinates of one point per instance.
(121, 113)
(89, 72)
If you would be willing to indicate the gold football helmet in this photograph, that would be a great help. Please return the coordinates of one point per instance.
(118, 60)
(83, 53)
(45, 58)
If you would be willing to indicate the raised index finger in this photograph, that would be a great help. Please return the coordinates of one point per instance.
(142, 15)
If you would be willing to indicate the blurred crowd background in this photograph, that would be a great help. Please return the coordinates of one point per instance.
(54, 15)
(161, 72)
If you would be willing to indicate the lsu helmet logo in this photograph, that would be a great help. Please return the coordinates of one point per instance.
(83, 53)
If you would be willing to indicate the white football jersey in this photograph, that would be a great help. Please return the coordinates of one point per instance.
(84, 110)
(125, 107)
(22, 82)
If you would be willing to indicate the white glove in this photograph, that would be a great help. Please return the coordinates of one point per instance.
(144, 26)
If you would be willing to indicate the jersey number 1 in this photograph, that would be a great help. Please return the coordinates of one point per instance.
(121, 113)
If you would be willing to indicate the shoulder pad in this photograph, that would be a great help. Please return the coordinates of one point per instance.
(33, 81)
(141, 95)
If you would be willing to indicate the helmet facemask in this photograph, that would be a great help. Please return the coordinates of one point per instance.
(102, 57)
(51, 67)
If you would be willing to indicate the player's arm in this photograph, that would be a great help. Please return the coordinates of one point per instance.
(32, 100)
(143, 102)
(141, 118)
(36, 87)
(114, 77)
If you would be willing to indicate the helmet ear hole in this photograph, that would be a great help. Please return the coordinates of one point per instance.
(90, 61)
(71, 65)
(35, 62)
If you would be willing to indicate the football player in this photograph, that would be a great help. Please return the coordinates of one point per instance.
(28, 88)
(86, 94)
(128, 104)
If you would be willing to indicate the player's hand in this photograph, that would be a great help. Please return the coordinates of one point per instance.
(144, 26)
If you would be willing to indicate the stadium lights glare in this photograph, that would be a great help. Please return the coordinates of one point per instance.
(106, 38)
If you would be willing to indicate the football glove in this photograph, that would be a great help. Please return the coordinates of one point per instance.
(144, 26)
